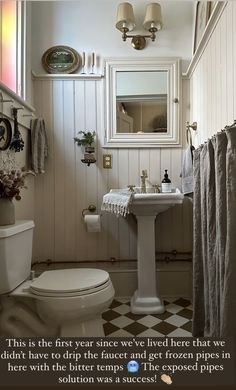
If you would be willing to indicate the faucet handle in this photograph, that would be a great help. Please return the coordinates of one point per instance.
(131, 187)
(144, 173)
(156, 188)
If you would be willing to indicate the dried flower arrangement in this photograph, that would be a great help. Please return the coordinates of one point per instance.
(12, 182)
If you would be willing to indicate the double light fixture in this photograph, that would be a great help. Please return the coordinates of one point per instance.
(125, 22)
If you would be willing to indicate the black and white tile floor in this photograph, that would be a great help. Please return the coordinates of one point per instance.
(118, 321)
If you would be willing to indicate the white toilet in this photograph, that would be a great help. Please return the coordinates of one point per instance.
(72, 300)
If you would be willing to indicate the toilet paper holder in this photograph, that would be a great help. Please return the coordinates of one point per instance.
(91, 208)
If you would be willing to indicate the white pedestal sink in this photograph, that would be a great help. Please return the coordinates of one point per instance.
(146, 299)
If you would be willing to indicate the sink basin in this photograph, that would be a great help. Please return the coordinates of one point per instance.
(151, 203)
(151, 191)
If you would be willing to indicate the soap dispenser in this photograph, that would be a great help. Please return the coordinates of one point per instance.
(166, 183)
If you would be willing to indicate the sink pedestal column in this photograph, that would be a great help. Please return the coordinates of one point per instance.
(145, 299)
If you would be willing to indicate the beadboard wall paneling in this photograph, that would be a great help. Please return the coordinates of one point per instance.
(68, 186)
(213, 82)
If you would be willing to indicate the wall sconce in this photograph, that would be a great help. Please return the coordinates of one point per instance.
(125, 22)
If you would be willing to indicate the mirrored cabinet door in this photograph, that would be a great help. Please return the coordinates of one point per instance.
(142, 103)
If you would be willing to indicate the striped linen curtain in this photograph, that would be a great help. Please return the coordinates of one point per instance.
(214, 236)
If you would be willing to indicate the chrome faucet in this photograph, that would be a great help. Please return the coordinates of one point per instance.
(143, 181)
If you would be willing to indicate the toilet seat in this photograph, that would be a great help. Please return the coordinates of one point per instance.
(70, 282)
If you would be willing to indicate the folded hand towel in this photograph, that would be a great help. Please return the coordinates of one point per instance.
(117, 202)
(39, 144)
(187, 171)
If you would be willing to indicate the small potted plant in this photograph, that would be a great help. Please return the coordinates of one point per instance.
(86, 140)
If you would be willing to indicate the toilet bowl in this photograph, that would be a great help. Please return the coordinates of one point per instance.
(72, 300)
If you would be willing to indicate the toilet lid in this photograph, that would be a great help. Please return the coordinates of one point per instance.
(69, 282)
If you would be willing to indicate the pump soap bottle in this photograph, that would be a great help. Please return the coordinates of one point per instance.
(166, 183)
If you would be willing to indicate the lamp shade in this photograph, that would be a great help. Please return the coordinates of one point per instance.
(125, 15)
(153, 16)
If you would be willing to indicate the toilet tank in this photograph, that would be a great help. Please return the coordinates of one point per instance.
(15, 254)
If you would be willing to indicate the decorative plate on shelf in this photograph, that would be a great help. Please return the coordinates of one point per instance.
(5, 133)
(61, 59)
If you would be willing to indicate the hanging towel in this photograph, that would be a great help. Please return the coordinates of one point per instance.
(39, 145)
(187, 171)
(117, 202)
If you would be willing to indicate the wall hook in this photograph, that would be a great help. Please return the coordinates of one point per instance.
(2, 100)
(7, 101)
(193, 126)
(14, 109)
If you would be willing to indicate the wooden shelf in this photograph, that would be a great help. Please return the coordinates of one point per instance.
(61, 76)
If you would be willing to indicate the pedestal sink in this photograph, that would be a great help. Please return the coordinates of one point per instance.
(146, 299)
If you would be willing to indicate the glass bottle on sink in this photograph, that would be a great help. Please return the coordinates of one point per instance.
(166, 183)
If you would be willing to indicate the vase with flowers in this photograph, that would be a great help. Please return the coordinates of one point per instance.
(11, 184)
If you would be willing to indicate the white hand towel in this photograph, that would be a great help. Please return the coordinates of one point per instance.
(117, 202)
(187, 171)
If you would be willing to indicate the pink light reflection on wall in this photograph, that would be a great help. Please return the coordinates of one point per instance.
(8, 57)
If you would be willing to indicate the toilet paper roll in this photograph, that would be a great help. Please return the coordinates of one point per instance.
(93, 223)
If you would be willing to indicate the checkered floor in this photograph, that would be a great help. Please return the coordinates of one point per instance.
(118, 321)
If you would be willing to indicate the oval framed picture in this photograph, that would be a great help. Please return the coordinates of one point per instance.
(61, 59)
(5, 133)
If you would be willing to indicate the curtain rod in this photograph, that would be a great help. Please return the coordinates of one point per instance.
(227, 127)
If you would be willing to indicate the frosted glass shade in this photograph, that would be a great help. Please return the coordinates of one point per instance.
(125, 14)
(153, 16)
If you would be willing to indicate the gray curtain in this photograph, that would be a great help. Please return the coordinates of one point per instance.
(214, 237)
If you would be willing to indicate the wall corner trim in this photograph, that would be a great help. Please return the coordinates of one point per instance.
(212, 23)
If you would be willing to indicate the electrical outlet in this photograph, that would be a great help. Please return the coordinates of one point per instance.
(107, 161)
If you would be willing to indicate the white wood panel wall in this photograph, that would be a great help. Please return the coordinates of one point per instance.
(69, 186)
(213, 82)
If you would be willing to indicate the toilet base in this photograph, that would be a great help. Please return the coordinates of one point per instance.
(73, 316)
(89, 328)
(20, 319)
